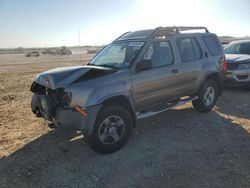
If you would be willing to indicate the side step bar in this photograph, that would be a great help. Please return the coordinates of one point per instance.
(142, 115)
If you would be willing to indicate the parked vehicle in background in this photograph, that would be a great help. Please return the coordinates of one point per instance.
(32, 54)
(92, 51)
(140, 74)
(49, 51)
(63, 51)
(238, 63)
(57, 51)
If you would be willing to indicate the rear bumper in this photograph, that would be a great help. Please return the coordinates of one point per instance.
(64, 116)
(237, 78)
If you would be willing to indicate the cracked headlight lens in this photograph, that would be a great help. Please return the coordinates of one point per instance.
(45, 80)
(64, 97)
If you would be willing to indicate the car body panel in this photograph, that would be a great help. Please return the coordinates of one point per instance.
(61, 77)
(113, 84)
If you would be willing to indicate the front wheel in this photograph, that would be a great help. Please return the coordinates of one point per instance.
(207, 97)
(112, 129)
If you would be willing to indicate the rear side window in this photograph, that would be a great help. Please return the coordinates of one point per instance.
(213, 45)
(189, 49)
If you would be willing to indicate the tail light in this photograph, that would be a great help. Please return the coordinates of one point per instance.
(225, 66)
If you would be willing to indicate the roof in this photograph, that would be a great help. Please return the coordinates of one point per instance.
(159, 32)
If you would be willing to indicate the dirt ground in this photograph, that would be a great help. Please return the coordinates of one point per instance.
(178, 148)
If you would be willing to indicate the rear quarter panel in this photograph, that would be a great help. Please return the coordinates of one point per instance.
(214, 64)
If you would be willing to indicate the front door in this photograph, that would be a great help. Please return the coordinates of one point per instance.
(155, 85)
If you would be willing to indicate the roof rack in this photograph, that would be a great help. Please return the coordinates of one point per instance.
(183, 28)
(158, 32)
(166, 31)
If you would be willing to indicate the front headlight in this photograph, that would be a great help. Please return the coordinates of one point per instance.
(244, 66)
(44, 80)
(64, 97)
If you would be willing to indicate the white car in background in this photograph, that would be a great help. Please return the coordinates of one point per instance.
(238, 63)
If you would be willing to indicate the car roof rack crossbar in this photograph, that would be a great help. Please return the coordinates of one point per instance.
(182, 28)
(168, 31)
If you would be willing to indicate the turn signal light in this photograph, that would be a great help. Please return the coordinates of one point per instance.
(81, 111)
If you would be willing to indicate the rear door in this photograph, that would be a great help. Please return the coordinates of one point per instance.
(191, 59)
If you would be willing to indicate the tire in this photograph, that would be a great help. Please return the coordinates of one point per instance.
(111, 121)
(207, 97)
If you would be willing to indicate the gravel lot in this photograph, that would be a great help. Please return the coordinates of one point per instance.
(178, 148)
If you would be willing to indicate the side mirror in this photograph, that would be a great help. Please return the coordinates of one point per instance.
(145, 64)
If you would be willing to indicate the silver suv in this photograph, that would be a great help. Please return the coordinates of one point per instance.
(138, 75)
(238, 63)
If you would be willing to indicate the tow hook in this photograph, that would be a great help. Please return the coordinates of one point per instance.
(38, 113)
(52, 125)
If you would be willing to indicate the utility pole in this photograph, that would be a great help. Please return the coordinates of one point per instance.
(79, 43)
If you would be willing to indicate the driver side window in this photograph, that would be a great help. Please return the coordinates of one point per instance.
(160, 54)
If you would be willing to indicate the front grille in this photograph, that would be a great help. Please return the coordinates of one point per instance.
(232, 66)
(42, 90)
(57, 95)
(37, 88)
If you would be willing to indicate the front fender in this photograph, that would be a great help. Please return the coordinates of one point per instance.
(108, 90)
(95, 91)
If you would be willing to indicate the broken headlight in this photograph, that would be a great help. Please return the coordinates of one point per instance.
(44, 80)
(64, 97)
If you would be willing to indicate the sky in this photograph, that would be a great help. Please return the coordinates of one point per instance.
(47, 23)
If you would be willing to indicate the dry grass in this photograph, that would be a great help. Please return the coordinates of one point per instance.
(18, 125)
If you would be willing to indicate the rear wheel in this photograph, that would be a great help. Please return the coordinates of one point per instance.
(207, 97)
(112, 129)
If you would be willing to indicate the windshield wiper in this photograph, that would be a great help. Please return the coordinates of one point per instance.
(109, 66)
(105, 65)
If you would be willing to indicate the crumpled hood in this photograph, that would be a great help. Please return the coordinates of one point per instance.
(239, 58)
(61, 77)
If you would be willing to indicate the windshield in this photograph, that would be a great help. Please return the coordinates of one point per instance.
(117, 55)
(238, 48)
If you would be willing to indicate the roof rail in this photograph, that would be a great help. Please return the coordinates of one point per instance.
(162, 32)
(166, 31)
(122, 35)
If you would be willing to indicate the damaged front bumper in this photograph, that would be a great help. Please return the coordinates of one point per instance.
(62, 116)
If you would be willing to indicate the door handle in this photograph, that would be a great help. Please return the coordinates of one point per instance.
(175, 71)
(206, 54)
